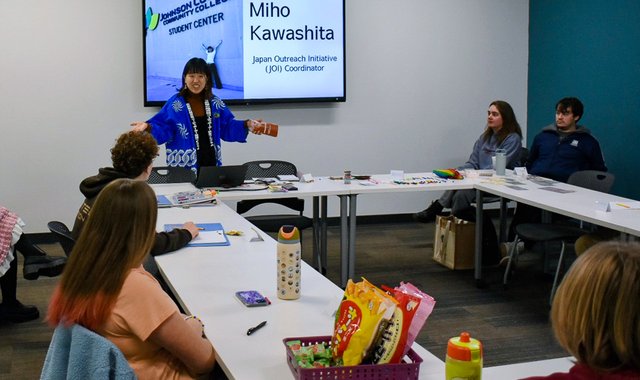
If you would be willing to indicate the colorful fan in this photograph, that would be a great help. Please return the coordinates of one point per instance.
(448, 173)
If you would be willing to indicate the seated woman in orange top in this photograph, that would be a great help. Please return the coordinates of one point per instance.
(105, 289)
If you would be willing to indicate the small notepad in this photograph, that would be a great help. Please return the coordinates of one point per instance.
(288, 177)
(210, 235)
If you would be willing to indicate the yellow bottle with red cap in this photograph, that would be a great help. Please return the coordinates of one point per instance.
(464, 358)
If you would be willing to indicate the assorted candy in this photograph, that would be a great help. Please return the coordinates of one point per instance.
(314, 356)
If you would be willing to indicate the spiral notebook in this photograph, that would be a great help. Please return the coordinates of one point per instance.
(210, 235)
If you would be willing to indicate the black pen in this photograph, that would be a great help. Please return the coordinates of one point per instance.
(254, 329)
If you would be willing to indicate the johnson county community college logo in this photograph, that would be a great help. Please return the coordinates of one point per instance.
(152, 19)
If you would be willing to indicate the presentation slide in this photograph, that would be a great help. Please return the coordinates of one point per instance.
(257, 51)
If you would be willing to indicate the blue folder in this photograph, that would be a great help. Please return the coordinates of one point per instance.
(211, 235)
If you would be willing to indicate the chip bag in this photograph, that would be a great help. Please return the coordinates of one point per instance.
(422, 313)
(390, 348)
(358, 322)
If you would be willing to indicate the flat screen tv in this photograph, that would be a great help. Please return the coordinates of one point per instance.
(258, 52)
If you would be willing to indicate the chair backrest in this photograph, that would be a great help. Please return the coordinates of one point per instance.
(78, 353)
(593, 180)
(170, 174)
(63, 235)
(245, 205)
(269, 169)
(524, 156)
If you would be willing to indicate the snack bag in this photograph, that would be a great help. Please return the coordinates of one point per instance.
(384, 336)
(390, 348)
(357, 322)
(424, 310)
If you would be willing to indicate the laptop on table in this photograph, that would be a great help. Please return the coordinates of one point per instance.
(221, 176)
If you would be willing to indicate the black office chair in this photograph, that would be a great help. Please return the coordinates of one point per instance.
(170, 174)
(63, 235)
(269, 222)
(563, 233)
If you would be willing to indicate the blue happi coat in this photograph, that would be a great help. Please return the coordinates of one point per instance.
(172, 125)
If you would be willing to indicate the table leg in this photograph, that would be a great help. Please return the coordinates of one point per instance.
(344, 241)
(502, 237)
(352, 235)
(320, 233)
(323, 233)
(479, 219)
(317, 259)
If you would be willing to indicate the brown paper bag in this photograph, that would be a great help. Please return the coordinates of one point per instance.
(454, 242)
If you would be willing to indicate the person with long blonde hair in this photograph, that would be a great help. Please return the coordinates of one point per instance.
(596, 314)
(105, 289)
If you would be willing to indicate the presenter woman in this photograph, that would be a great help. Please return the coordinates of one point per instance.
(106, 289)
(194, 121)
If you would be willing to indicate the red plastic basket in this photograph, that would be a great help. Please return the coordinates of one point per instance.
(400, 371)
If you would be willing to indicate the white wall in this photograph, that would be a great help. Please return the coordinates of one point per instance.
(420, 74)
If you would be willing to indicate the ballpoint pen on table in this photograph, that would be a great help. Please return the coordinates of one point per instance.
(258, 327)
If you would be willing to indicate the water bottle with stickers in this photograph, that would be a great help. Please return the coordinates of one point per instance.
(289, 263)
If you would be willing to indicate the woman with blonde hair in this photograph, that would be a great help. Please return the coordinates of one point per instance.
(106, 289)
(596, 314)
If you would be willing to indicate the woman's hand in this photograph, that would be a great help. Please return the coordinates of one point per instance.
(140, 126)
(183, 338)
(254, 126)
(192, 228)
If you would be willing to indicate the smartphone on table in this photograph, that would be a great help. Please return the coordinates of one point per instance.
(252, 298)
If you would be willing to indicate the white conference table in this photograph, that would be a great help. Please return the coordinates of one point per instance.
(320, 189)
(382, 184)
(578, 203)
(205, 279)
(527, 369)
